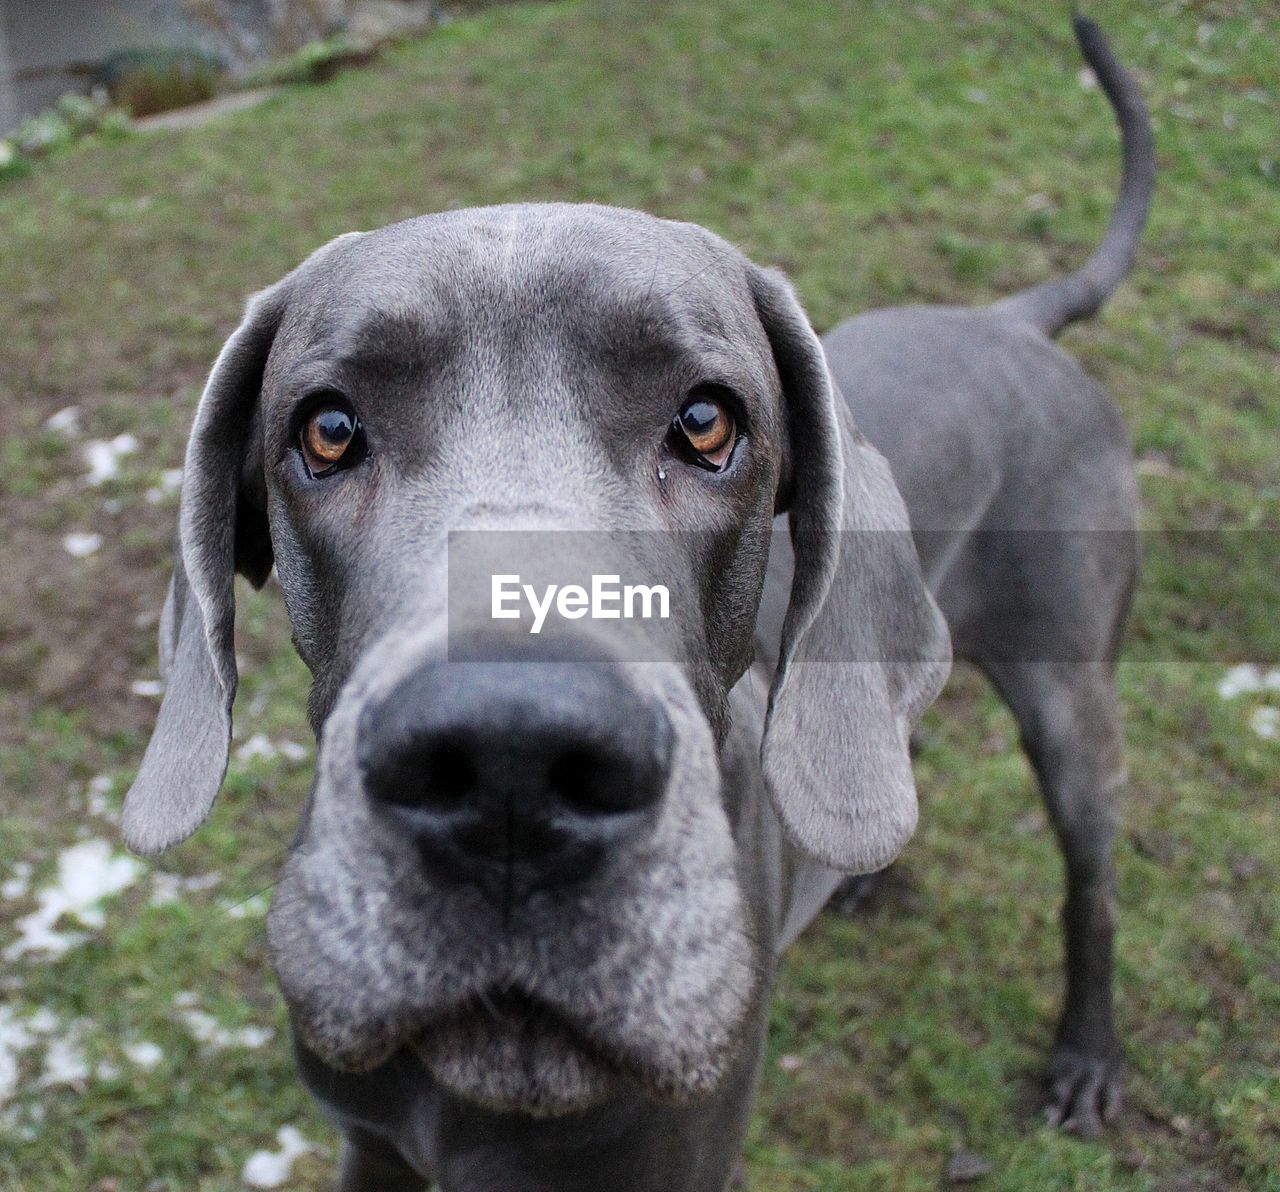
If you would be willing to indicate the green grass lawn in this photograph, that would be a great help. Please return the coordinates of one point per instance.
(882, 153)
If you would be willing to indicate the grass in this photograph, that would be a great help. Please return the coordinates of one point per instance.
(881, 153)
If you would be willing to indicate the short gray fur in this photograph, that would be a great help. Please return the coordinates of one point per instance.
(519, 367)
(1018, 475)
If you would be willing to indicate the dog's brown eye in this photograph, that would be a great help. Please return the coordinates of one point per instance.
(706, 430)
(327, 438)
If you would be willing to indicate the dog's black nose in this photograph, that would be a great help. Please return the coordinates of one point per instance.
(515, 775)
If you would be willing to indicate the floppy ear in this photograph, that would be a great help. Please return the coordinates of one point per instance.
(864, 648)
(222, 528)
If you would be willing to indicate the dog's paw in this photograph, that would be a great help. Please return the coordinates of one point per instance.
(1085, 1091)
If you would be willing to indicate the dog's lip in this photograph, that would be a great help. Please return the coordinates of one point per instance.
(517, 1009)
(509, 1006)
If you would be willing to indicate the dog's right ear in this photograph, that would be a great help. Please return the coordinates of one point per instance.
(222, 528)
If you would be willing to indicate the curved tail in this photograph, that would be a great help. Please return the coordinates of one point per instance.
(1053, 304)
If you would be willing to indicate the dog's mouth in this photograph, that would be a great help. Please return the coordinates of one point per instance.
(512, 1051)
(641, 980)
(509, 1051)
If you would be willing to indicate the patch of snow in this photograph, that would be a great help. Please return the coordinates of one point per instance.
(1247, 679)
(87, 873)
(65, 1061)
(170, 482)
(23, 1121)
(15, 1038)
(1239, 680)
(144, 1054)
(103, 457)
(101, 784)
(270, 1169)
(81, 546)
(66, 421)
(260, 746)
(154, 688)
(252, 907)
(169, 887)
(99, 801)
(206, 1030)
(209, 1032)
(19, 883)
(44, 1021)
(257, 746)
(1266, 723)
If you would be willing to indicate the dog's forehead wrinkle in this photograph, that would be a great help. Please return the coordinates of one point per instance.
(559, 255)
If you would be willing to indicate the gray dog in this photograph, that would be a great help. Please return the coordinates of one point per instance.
(528, 925)
(1018, 476)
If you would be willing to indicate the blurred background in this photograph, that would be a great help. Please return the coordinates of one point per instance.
(160, 160)
(151, 56)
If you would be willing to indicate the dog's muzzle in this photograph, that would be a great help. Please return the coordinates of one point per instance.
(515, 775)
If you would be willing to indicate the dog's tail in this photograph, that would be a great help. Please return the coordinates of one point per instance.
(1053, 304)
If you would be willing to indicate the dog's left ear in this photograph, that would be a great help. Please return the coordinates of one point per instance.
(222, 529)
(864, 647)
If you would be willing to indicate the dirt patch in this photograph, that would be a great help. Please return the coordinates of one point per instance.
(75, 634)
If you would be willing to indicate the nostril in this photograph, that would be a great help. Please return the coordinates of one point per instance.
(449, 774)
(570, 778)
(592, 782)
(439, 777)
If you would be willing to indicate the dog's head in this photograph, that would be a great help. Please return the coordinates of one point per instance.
(518, 858)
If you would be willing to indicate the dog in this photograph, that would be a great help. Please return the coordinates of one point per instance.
(530, 918)
(527, 927)
(1019, 480)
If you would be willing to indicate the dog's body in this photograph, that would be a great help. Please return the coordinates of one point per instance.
(528, 925)
(1018, 476)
